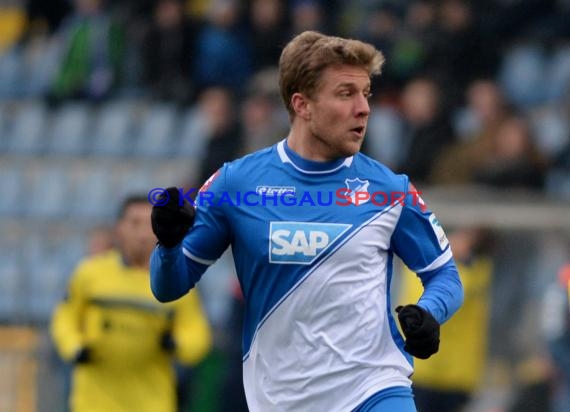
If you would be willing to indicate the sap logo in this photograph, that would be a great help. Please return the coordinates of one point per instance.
(302, 242)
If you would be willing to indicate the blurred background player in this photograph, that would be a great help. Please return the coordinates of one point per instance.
(446, 381)
(120, 340)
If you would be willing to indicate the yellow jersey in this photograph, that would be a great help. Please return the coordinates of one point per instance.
(460, 362)
(110, 309)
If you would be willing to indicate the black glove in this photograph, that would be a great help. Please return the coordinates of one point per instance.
(82, 356)
(171, 222)
(420, 329)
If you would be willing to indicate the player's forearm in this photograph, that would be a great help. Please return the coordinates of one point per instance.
(169, 277)
(443, 291)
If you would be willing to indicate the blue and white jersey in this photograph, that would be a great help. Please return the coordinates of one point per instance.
(313, 245)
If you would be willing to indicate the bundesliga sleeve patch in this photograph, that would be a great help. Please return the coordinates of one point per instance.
(438, 230)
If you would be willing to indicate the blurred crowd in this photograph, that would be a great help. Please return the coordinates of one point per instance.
(472, 92)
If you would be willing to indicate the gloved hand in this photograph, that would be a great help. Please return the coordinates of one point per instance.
(420, 329)
(82, 356)
(171, 222)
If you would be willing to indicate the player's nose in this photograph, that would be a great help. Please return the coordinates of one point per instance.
(362, 107)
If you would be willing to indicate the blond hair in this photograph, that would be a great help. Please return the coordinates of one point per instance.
(309, 53)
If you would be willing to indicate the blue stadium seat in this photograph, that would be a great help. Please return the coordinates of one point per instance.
(10, 73)
(13, 184)
(4, 125)
(113, 127)
(193, 135)
(49, 190)
(27, 136)
(69, 133)
(133, 179)
(11, 281)
(155, 133)
(92, 192)
(52, 256)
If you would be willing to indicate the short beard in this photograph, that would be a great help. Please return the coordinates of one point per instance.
(334, 153)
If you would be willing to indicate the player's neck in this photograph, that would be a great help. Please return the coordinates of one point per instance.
(307, 146)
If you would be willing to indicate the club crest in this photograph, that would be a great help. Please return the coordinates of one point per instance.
(356, 186)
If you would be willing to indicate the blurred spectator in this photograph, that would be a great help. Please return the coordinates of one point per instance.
(415, 38)
(258, 118)
(168, 51)
(307, 15)
(262, 116)
(486, 109)
(223, 55)
(384, 136)
(532, 73)
(46, 16)
(13, 22)
(268, 32)
(427, 126)
(559, 174)
(477, 125)
(197, 8)
(447, 381)
(383, 28)
(458, 53)
(222, 128)
(119, 338)
(550, 126)
(513, 160)
(93, 54)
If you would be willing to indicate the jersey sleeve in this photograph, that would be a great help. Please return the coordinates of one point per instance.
(418, 239)
(65, 324)
(209, 237)
(174, 271)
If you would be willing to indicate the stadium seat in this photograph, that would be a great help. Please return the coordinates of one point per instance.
(12, 182)
(51, 258)
(27, 136)
(10, 73)
(69, 131)
(48, 190)
(193, 135)
(113, 127)
(10, 279)
(155, 132)
(4, 125)
(134, 178)
(92, 191)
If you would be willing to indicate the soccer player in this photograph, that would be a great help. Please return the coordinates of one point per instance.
(314, 225)
(121, 341)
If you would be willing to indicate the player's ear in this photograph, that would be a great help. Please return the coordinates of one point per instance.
(301, 106)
